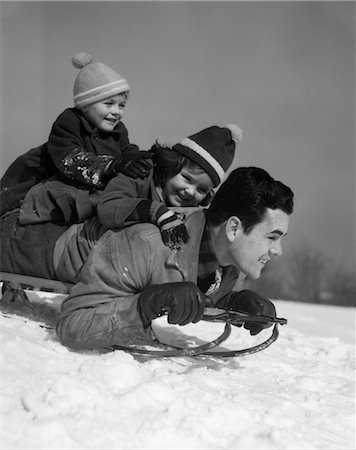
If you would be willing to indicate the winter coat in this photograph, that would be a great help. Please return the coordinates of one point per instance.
(71, 134)
(81, 151)
(76, 151)
(102, 307)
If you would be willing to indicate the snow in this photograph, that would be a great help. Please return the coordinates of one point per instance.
(299, 393)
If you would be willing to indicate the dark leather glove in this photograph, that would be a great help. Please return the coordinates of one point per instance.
(183, 301)
(253, 304)
(133, 165)
(173, 230)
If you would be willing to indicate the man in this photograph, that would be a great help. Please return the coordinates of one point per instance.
(130, 277)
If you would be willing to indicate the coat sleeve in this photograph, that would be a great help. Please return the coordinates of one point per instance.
(117, 206)
(66, 148)
(101, 309)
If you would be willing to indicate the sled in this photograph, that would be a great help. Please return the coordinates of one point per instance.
(20, 295)
(35, 283)
(14, 286)
(214, 315)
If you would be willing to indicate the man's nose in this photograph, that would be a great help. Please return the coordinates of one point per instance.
(276, 249)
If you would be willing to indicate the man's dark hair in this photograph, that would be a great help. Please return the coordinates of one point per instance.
(247, 193)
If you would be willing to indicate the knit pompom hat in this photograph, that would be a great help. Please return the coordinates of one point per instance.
(212, 148)
(95, 81)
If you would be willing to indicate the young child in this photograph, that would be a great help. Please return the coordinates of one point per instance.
(88, 144)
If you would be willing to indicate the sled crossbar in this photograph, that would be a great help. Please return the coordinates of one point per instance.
(35, 283)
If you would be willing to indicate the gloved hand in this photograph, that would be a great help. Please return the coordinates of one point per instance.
(173, 230)
(133, 165)
(183, 301)
(253, 304)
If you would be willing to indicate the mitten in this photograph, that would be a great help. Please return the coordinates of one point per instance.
(173, 230)
(133, 165)
(183, 301)
(253, 304)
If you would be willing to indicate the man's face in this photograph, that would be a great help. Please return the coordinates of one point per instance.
(107, 113)
(251, 252)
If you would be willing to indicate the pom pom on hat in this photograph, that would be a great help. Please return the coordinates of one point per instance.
(95, 81)
(236, 132)
(81, 60)
(213, 149)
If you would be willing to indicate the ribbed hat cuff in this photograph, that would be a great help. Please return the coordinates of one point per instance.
(204, 158)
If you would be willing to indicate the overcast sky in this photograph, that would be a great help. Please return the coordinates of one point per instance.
(283, 71)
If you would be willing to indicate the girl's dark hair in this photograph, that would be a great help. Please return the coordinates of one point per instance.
(247, 193)
(167, 163)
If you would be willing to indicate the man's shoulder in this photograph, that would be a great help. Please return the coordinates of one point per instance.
(141, 240)
(193, 218)
(149, 235)
(136, 231)
(193, 213)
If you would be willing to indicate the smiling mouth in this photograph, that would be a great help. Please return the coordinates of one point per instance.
(179, 200)
(184, 198)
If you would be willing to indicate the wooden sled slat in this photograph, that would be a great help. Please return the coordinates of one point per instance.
(36, 283)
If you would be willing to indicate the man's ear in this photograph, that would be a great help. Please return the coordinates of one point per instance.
(233, 228)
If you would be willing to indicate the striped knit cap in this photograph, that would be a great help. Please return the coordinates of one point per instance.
(95, 81)
(213, 149)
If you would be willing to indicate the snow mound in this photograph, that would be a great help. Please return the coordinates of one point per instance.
(299, 393)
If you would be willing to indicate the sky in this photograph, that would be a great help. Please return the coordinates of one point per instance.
(283, 71)
(297, 394)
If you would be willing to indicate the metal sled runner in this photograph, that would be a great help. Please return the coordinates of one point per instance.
(14, 286)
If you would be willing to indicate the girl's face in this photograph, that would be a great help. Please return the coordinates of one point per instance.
(106, 114)
(187, 188)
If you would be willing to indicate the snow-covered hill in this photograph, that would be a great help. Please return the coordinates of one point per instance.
(297, 394)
